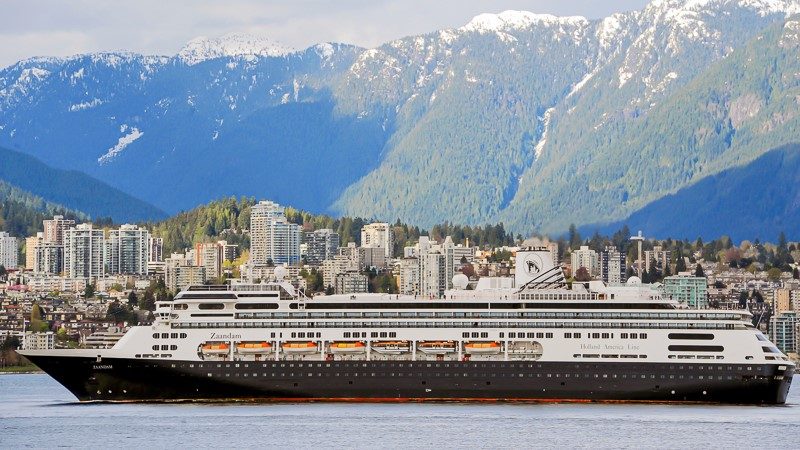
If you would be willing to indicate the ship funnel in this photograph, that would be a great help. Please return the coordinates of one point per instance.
(535, 268)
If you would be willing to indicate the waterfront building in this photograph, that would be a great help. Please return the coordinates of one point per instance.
(687, 290)
(48, 258)
(229, 251)
(54, 229)
(8, 250)
(587, 258)
(378, 235)
(39, 341)
(781, 300)
(408, 276)
(432, 274)
(128, 250)
(656, 259)
(31, 243)
(179, 273)
(320, 245)
(351, 282)
(155, 246)
(272, 238)
(612, 266)
(83, 251)
(783, 331)
(209, 255)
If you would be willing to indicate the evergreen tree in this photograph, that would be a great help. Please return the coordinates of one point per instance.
(680, 264)
(88, 292)
(698, 271)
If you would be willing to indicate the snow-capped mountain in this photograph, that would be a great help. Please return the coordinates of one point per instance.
(532, 119)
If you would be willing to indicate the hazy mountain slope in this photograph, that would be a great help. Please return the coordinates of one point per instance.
(71, 189)
(757, 200)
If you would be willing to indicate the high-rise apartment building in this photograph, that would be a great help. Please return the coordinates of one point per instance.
(320, 245)
(127, 250)
(83, 251)
(656, 259)
(587, 258)
(209, 255)
(31, 244)
(687, 290)
(54, 229)
(272, 238)
(8, 250)
(378, 235)
(612, 266)
(155, 249)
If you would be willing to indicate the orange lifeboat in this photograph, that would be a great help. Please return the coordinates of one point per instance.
(390, 347)
(482, 348)
(344, 347)
(436, 347)
(253, 347)
(303, 347)
(215, 348)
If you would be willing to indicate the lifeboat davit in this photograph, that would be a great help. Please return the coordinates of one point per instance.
(482, 348)
(391, 347)
(303, 347)
(215, 348)
(348, 347)
(436, 347)
(251, 348)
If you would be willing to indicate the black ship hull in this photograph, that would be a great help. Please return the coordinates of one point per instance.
(115, 379)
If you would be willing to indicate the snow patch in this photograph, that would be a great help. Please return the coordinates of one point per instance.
(231, 45)
(545, 128)
(85, 105)
(123, 142)
(517, 20)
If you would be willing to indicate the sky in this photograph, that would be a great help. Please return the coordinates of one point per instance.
(62, 28)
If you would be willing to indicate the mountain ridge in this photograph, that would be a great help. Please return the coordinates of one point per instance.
(533, 120)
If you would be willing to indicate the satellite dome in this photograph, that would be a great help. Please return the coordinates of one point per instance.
(280, 272)
(634, 281)
(460, 281)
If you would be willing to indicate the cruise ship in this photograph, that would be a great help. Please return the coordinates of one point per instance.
(532, 337)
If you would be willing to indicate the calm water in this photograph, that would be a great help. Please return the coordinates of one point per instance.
(35, 411)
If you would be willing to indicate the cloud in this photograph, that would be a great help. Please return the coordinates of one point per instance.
(57, 28)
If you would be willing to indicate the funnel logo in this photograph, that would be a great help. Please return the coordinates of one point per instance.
(532, 264)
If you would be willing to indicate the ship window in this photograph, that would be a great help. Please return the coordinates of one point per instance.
(301, 335)
(211, 306)
(155, 347)
(643, 335)
(155, 335)
(634, 336)
(173, 347)
(164, 335)
(623, 335)
(568, 335)
(173, 335)
(530, 335)
(502, 335)
(605, 335)
(549, 335)
(374, 334)
(484, 335)
(392, 334)
(346, 334)
(165, 347)
(540, 335)
(475, 335)
(465, 334)
(577, 335)
(383, 334)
